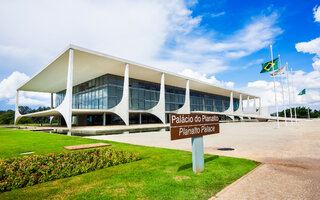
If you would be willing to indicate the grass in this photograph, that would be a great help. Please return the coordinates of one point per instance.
(161, 174)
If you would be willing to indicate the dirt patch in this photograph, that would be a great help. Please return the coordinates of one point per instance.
(86, 146)
(180, 178)
(299, 163)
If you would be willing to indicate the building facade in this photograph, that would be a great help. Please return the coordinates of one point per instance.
(92, 88)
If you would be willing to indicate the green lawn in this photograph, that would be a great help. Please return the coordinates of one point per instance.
(161, 174)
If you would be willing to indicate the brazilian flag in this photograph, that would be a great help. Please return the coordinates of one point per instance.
(302, 92)
(267, 67)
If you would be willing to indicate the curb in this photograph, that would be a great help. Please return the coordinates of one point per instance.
(234, 183)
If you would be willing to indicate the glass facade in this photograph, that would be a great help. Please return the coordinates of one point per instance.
(103, 92)
(174, 98)
(106, 91)
(200, 101)
(236, 104)
(143, 95)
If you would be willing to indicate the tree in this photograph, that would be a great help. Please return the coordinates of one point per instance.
(24, 110)
(302, 112)
(7, 117)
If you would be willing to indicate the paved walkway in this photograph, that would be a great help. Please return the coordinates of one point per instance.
(290, 157)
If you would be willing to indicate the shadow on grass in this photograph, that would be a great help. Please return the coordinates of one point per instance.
(188, 166)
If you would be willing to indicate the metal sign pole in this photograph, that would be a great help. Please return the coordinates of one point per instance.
(197, 154)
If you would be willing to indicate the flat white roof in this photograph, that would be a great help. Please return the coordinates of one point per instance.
(89, 64)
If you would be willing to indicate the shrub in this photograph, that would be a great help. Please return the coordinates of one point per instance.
(30, 170)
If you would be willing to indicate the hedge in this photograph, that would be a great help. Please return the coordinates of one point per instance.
(29, 170)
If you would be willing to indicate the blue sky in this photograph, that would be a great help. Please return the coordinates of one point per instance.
(222, 42)
(295, 18)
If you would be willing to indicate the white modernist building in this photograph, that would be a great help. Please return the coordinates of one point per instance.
(93, 88)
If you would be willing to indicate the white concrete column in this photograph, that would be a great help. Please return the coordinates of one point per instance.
(51, 101)
(240, 108)
(248, 105)
(159, 110)
(240, 104)
(51, 106)
(17, 115)
(65, 108)
(185, 109)
(104, 119)
(230, 110)
(254, 106)
(122, 109)
(231, 102)
(140, 119)
(260, 106)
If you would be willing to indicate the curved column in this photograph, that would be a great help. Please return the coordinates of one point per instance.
(122, 109)
(65, 108)
(254, 106)
(259, 111)
(248, 105)
(247, 110)
(185, 109)
(51, 107)
(240, 109)
(230, 109)
(17, 115)
(159, 110)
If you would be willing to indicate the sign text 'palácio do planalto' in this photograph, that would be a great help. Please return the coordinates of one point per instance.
(193, 125)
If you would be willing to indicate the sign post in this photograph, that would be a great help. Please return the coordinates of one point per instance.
(194, 126)
(197, 154)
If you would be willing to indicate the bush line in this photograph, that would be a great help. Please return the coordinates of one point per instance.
(29, 170)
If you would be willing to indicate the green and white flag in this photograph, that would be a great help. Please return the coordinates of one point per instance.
(302, 92)
(268, 66)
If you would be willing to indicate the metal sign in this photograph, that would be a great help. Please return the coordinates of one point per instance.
(193, 125)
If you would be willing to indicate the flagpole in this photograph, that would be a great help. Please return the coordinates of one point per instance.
(274, 84)
(293, 98)
(289, 93)
(307, 103)
(284, 105)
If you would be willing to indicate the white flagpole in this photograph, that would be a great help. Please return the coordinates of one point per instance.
(284, 105)
(293, 98)
(289, 93)
(307, 103)
(275, 91)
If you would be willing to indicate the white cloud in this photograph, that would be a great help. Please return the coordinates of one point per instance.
(205, 54)
(138, 30)
(254, 36)
(25, 101)
(316, 13)
(312, 47)
(254, 62)
(8, 88)
(316, 63)
(301, 80)
(9, 85)
(130, 29)
(206, 78)
(160, 33)
(217, 14)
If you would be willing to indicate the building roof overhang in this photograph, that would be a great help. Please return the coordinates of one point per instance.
(88, 64)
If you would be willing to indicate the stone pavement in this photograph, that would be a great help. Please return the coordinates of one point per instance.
(290, 157)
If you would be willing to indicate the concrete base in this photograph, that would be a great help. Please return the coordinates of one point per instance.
(103, 130)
